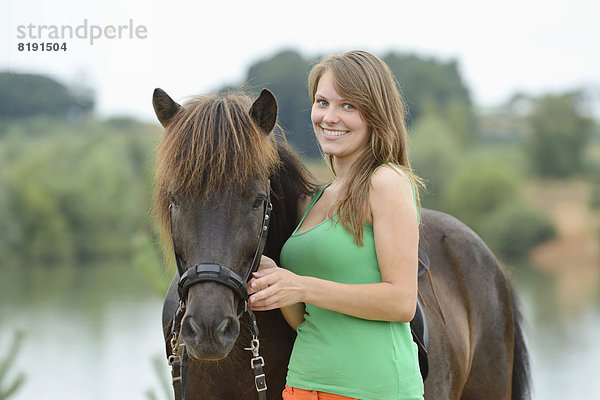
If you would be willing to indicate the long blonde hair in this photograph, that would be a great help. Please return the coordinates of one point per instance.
(365, 80)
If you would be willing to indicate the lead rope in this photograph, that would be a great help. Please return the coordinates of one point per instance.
(176, 352)
(257, 362)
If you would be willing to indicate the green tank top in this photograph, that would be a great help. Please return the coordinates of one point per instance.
(337, 353)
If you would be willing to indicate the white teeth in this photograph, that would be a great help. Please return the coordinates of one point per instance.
(334, 133)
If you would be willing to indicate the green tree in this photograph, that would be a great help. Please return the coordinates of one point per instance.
(431, 86)
(434, 156)
(45, 235)
(286, 74)
(26, 95)
(594, 201)
(558, 135)
(514, 228)
(79, 192)
(10, 229)
(479, 188)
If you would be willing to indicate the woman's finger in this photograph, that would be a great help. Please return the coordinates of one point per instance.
(263, 295)
(264, 281)
(263, 305)
(254, 287)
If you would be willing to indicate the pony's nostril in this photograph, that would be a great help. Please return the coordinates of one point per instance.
(191, 332)
(227, 331)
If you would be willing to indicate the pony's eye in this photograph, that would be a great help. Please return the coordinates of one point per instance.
(258, 202)
(172, 200)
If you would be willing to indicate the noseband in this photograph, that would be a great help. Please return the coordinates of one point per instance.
(225, 276)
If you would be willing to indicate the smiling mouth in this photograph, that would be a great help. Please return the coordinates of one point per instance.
(329, 132)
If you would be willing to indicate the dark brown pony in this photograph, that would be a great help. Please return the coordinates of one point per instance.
(213, 163)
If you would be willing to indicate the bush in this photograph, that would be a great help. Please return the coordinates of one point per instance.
(595, 197)
(479, 188)
(514, 229)
(559, 135)
(10, 229)
(434, 156)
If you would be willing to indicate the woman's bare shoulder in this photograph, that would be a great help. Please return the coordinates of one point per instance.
(388, 178)
(391, 189)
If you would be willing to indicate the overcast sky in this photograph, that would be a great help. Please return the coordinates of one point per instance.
(534, 46)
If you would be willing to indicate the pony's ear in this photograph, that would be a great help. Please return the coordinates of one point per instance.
(164, 106)
(264, 111)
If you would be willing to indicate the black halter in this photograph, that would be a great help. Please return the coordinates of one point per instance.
(225, 276)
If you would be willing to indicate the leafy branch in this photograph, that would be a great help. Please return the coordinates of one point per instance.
(8, 389)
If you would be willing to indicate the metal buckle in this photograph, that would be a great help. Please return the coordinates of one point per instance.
(173, 358)
(260, 383)
(259, 358)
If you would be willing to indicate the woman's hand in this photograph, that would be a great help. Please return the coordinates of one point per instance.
(265, 264)
(272, 287)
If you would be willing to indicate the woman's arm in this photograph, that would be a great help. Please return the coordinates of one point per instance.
(396, 235)
(294, 314)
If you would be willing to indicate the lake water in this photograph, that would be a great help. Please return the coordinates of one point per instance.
(563, 330)
(89, 333)
(95, 333)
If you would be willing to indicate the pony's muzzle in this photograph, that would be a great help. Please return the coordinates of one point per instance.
(209, 338)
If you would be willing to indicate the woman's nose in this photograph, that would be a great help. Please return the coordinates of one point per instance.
(330, 116)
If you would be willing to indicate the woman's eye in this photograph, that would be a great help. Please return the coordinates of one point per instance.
(349, 107)
(322, 103)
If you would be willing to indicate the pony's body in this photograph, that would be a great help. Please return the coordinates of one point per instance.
(476, 348)
(470, 354)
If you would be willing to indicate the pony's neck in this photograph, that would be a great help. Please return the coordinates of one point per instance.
(289, 182)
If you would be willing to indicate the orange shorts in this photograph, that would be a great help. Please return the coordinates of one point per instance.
(291, 393)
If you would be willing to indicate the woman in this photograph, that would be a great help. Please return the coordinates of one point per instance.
(348, 276)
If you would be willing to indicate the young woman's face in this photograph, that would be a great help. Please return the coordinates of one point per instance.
(340, 127)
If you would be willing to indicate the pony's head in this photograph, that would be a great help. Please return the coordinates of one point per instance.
(212, 167)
